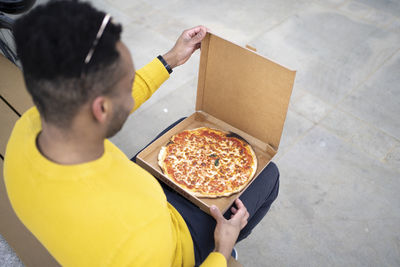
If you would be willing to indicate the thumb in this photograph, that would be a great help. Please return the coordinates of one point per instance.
(216, 213)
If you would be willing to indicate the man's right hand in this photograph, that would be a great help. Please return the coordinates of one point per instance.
(227, 231)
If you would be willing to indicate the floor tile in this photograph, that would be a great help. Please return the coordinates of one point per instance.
(150, 16)
(144, 44)
(331, 3)
(8, 256)
(388, 6)
(311, 107)
(355, 8)
(378, 100)
(331, 51)
(121, 4)
(367, 13)
(117, 15)
(363, 135)
(230, 19)
(296, 94)
(393, 157)
(294, 129)
(394, 26)
(330, 197)
(322, 244)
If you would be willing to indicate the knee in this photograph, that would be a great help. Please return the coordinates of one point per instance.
(273, 179)
(268, 180)
(274, 172)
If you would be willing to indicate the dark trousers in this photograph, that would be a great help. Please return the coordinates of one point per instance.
(257, 198)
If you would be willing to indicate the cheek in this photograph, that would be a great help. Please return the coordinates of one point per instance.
(131, 103)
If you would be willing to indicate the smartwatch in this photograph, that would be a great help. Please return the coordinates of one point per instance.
(167, 67)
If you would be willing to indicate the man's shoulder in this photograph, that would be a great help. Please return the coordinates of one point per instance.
(24, 131)
(27, 124)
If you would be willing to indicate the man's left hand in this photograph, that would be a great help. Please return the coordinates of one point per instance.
(187, 43)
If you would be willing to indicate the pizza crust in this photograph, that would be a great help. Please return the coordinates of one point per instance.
(163, 154)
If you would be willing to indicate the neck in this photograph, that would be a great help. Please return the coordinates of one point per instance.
(74, 146)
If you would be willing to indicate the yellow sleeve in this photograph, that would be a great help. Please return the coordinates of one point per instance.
(147, 80)
(214, 259)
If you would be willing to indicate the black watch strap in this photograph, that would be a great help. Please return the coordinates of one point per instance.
(167, 67)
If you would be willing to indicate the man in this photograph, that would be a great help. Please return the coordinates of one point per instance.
(74, 190)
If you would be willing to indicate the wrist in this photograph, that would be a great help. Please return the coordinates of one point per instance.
(171, 60)
(226, 251)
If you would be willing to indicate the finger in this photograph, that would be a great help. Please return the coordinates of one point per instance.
(216, 213)
(239, 215)
(199, 34)
(234, 210)
(193, 31)
(243, 224)
(239, 203)
(190, 33)
(246, 216)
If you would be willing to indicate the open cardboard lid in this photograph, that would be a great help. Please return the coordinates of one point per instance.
(244, 89)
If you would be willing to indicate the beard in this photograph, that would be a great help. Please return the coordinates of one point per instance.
(118, 119)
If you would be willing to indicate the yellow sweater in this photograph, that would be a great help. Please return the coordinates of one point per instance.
(107, 212)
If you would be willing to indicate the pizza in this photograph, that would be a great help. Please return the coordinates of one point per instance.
(208, 162)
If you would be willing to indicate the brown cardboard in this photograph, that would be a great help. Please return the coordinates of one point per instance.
(244, 89)
(148, 157)
(239, 91)
(7, 120)
(12, 86)
(27, 247)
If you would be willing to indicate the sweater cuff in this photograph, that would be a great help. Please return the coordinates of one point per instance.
(214, 259)
(154, 72)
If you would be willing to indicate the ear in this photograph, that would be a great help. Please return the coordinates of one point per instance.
(101, 108)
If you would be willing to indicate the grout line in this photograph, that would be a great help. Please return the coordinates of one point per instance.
(335, 7)
(359, 148)
(9, 105)
(251, 39)
(389, 151)
(347, 140)
(297, 140)
(337, 104)
(257, 35)
(344, 3)
(369, 124)
(337, 107)
(369, 75)
(364, 17)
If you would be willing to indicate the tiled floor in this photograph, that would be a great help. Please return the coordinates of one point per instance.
(339, 156)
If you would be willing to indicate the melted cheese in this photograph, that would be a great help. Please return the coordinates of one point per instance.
(207, 164)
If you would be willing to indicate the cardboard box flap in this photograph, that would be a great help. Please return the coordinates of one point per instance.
(244, 89)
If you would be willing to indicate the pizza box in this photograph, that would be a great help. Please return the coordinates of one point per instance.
(239, 91)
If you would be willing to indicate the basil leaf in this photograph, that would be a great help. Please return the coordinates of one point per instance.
(216, 163)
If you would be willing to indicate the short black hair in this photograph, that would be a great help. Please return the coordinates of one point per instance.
(52, 42)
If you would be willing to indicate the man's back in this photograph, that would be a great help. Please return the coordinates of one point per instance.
(107, 212)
